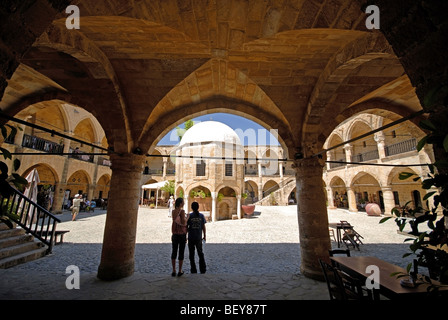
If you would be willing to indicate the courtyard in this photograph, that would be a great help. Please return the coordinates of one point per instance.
(252, 258)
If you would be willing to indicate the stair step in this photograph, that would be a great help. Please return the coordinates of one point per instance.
(11, 232)
(19, 249)
(15, 240)
(22, 258)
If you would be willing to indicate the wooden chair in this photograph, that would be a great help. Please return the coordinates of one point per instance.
(342, 286)
(353, 288)
(350, 236)
(333, 252)
(334, 282)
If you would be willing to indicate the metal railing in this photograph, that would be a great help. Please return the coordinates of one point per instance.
(366, 156)
(277, 187)
(30, 216)
(401, 147)
(337, 165)
(80, 155)
(40, 144)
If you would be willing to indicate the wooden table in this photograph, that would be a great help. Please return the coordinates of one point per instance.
(389, 285)
(339, 226)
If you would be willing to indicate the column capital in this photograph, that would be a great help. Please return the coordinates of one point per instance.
(127, 162)
(308, 166)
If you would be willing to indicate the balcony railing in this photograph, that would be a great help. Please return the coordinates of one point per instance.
(40, 144)
(366, 156)
(77, 154)
(337, 165)
(104, 162)
(401, 147)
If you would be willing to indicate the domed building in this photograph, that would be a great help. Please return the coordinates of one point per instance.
(210, 170)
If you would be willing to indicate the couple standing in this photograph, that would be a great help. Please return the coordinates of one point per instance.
(194, 225)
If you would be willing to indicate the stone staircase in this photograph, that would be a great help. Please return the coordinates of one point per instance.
(16, 247)
(280, 195)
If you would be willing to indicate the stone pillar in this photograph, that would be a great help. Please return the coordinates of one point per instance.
(329, 158)
(20, 133)
(348, 152)
(280, 169)
(351, 200)
(238, 206)
(379, 138)
(388, 199)
(165, 162)
(58, 198)
(214, 196)
(117, 257)
(330, 199)
(91, 191)
(312, 217)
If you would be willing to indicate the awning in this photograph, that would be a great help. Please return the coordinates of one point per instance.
(156, 185)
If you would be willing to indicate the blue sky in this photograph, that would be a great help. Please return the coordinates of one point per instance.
(246, 129)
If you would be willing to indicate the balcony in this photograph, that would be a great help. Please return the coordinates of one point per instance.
(77, 154)
(401, 147)
(40, 144)
(366, 156)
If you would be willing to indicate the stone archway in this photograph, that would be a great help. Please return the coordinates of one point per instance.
(239, 49)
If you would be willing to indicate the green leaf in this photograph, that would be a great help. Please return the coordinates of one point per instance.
(421, 143)
(6, 153)
(427, 125)
(384, 219)
(19, 179)
(445, 143)
(405, 175)
(16, 164)
(428, 195)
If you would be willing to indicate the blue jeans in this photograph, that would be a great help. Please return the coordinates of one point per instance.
(192, 246)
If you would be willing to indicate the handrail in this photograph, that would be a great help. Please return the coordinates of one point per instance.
(277, 187)
(30, 216)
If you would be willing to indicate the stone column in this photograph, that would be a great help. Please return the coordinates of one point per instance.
(348, 152)
(117, 257)
(329, 158)
(312, 217)
(388, 199)
(351, 200)
(238, 206)
(214, 196)
(165, 162)
(330, 199)
(280, 169)
(58, 198)
(379, 138)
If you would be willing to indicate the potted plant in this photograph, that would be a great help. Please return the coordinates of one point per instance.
(430, 248)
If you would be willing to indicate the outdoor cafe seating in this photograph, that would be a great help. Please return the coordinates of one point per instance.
(345, 233)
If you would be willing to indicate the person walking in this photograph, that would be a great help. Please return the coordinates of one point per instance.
(76, 206)
(195, 228)
(170, 206)
(179, 236)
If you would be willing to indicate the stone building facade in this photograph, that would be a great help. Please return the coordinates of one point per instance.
(377, 162)
(304, 67)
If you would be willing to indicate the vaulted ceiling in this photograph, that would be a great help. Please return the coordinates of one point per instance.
(142, 67)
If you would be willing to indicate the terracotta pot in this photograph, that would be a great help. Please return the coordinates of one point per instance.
(248, 209)
(373, 209)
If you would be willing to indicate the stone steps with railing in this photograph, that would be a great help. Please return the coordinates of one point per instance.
(33, 232)
(16, 247)
(277, 194)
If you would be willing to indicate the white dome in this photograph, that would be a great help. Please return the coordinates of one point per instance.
(210, 131)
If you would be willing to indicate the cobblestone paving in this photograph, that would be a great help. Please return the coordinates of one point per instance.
(255, 258)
